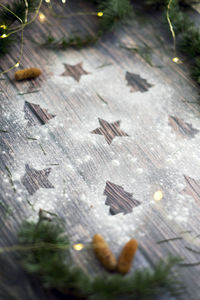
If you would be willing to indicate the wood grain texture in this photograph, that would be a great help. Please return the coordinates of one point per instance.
(75, 71)
(36, 115)
(146, 158)
(109, 130)
(118, 199)
(192, 188)
(181, 128)
(137, 83)
(35, 179)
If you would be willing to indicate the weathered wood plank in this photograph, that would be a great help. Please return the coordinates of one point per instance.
(139, 156)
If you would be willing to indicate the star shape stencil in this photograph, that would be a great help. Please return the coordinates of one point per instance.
(75, 71)
(181, 128)
(34, 179)
(109, 130)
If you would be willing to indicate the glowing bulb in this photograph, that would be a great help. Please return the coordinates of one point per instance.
(100, 14)
(176, 60)
(17, 65)
(47, 1)
(42, 17)
(158, 195)
(78, 247)
(63, 1)
(3, 36)
(3, 26)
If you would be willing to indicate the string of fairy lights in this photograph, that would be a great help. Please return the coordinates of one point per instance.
(158, 194)
(157, 197)
(42, 18)
(175, 58)
(19, 28)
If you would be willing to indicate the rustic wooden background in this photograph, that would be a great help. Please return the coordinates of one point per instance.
(94, 138)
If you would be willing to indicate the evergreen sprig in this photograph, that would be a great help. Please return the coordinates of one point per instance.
(188, 35)
(19, 9)
(114, 11)
(5, 44)
(75, 41)
(46, 254)
(196, 70)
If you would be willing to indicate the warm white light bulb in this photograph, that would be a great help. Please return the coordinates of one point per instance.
(100, 14)
(78, 247)
(158, 195)
(41, 17)
(3, 36)
(3, 26)
(176, 60)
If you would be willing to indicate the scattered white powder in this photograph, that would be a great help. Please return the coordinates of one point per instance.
(115, 163)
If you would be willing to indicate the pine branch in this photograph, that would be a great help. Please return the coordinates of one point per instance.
(76, 42)
(156, 4)
(19, 9)
(188, 38)
(196, 70)
(46, 254)
(5, 44)
(113, 12)
(187, 35)
(142, 284)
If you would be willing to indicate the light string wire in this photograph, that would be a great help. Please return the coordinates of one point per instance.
(6, 8)
(175, 58)
(54, 14)
(170, 24)
(26, 12)
(72, 15)
(21, 28)
(22, 38)
(26, 23)
(76, 247)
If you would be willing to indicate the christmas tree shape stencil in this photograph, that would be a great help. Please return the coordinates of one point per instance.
(36, 115)
(181, 128)
(137, 83)
(118, 199)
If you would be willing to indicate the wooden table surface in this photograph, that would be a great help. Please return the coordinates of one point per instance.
(93, 139)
